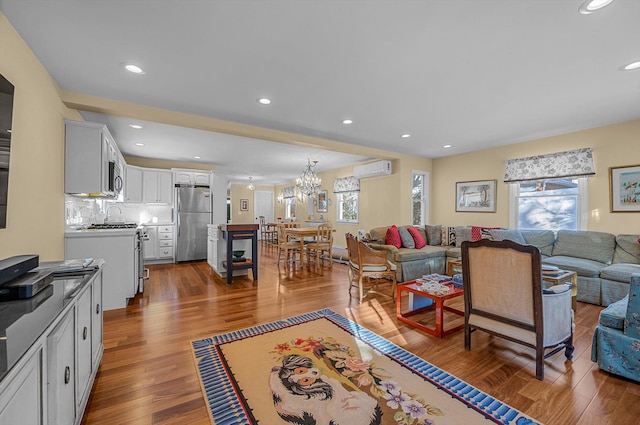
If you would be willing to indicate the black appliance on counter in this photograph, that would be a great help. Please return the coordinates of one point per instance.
(18, 281)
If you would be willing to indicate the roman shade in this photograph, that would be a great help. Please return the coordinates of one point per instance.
(346, 184)
(289, 192)
(560, 165)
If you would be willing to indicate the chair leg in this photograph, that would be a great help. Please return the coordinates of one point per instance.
(568, 352)
(467, 337)
(540, 363)
(361, 288)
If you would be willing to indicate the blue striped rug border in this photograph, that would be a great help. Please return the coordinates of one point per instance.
(227, 405)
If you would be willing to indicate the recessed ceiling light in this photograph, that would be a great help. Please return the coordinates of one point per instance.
(139, 144)
(133, 68)
(264, 101)
(590, 6)
(446, 146)
(196, 157)
(630, 66)
(136, 126)
(405, 136)
(347, 121)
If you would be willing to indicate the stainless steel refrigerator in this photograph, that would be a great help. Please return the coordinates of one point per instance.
(193, 213)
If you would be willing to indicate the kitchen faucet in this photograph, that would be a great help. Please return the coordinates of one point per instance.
(109, 209)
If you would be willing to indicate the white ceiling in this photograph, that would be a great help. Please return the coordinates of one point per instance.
(469, 73)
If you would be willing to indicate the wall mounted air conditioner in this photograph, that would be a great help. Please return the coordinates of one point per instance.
(378, 168)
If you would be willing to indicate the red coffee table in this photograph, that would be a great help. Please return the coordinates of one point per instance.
(438, 304)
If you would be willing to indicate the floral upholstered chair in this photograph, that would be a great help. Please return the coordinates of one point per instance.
(616, 341)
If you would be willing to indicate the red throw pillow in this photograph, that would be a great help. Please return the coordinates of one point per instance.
(393, 236)
(478, 232)
(417, 237)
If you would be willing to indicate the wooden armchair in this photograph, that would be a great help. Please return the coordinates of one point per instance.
(503, 296)
(371, 265)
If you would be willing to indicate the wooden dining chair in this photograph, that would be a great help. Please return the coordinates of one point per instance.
(267, 233)
(370, 266)
(289, 247)
(321, 245)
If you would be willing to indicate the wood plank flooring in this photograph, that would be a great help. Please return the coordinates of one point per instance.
(148, 375)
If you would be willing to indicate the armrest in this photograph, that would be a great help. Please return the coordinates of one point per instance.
(373, 256)
(382, 247)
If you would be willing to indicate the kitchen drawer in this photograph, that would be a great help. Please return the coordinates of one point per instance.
(165, 252)
(165, 236)
(165, 243)
(165, 229)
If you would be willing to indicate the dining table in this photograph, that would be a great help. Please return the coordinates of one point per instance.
(300, 233)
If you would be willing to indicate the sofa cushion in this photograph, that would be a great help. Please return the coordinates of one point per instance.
(418, 238)
(590, 245)
(627, 249)
(406, 238)
(613, 316)
(507, 234)
(584, 267)
(428, 251)
(378, 234)
(463, 233)
(478, 232)
(434, 234)
(620, 272)
(542, 239)
(392, 237)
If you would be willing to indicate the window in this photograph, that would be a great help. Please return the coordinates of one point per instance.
(347, 207)
(549, 204)
(419, 198)
(290, 208)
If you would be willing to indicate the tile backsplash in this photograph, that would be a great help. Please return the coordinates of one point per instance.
(81, 212)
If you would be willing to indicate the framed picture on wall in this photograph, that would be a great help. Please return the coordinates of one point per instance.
(322, 201)
(244, 205)
(624, 188)
(476, 196)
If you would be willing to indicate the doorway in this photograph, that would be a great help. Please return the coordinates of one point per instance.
(263, 205)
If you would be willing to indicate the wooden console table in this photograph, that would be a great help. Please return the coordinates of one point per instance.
(234, 232)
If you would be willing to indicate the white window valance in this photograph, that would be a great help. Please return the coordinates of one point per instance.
(346, 184)
(560, 165)
(289, 192)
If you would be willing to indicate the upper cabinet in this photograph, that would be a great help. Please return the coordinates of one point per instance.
(192, 177)
(133, 184)
(93, 164)
(157, 185)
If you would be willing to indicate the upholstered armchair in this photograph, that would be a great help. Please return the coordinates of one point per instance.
(503, 296)
(616, 340)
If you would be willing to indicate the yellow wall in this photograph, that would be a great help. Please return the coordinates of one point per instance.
(613, 145)
(35, 216)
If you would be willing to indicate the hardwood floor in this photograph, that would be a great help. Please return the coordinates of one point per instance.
(148, 374)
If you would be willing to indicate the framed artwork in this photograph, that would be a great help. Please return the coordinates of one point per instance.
(476, 196)
(322, 201)
(244, 205)
(624, 188)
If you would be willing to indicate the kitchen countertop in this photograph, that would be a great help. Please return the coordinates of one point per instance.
(99, 232)
(23, 321)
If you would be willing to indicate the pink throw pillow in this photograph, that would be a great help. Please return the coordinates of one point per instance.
(393, 237)
(417, 237)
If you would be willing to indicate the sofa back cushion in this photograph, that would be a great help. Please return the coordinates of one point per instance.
(627, 249)
(406, 238)
(434, 234)
(590, 245)
(543, 239)
(378, 234)
(392, 237)
(418, 236)
(507, 234)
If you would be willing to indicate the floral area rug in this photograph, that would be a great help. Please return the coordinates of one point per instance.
(321, 368)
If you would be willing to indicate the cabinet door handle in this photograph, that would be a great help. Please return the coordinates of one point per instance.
(97, 308)
(84, 333)
(67, 374)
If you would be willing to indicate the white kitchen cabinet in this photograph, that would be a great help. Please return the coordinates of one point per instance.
(192, 177)
(21, 399)
(89, 147)
(157, 186)
(133, 184)
(61, 372)
(96, 321)
(158, 247)
(84, 359)
(118, 248)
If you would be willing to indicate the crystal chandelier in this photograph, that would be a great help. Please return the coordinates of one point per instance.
(308, 183)
(250, 186)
